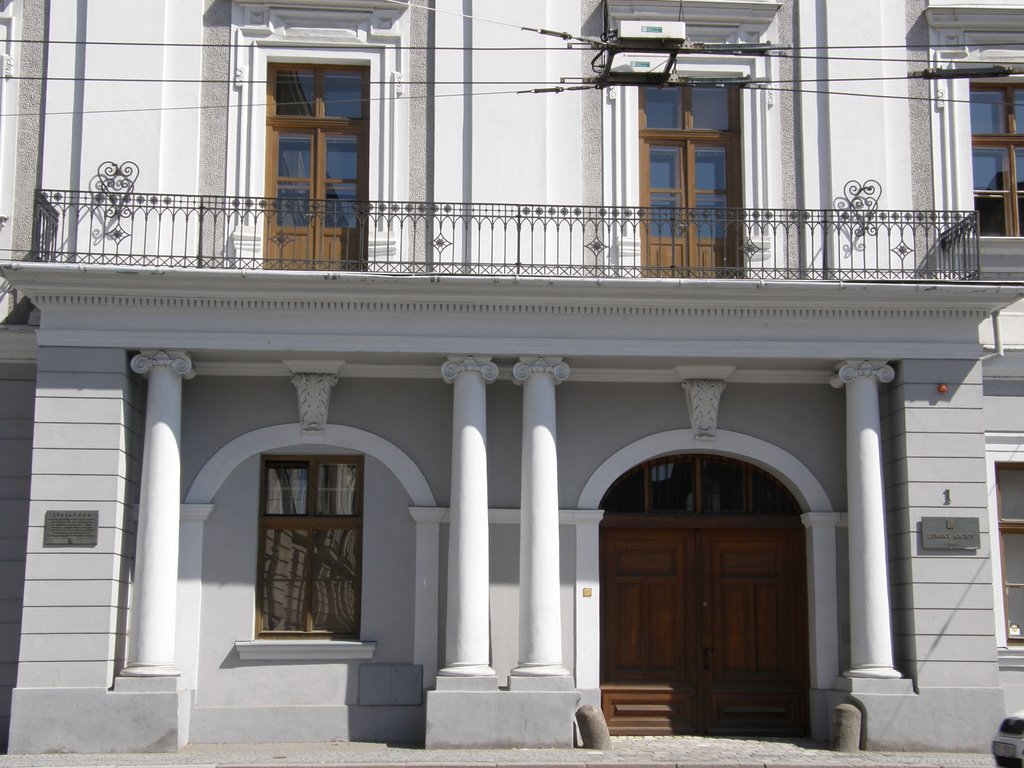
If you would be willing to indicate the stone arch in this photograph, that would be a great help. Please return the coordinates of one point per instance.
(223, 462)
(782, 464)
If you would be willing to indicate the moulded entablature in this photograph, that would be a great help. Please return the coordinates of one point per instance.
(706, 20)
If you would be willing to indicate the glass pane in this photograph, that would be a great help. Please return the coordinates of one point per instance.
(293, 155)
(626, 497)
(337, 491)
(672, 487)
(721, 488)
(768, 497)
(1011, 493)
(335, 564)
(343, 94)
(286, 490)
(1015, 613)
(292, 204)
(1018, 109)
(991, 215)
(663, 107)
(664, 163)
(1013, 557)
(1019, 161)
(991, 168)
(342, 157)
(711, 223)
(339, 210)
(285, 560)
(711, 108)
(293, 92)
(709, 163)
(664, 215)
(988, 113)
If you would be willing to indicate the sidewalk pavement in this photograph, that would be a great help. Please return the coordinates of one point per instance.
(627, 752)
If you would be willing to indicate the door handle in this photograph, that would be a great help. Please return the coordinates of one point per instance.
(708, 653)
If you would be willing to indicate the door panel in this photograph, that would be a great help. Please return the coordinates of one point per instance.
(703, 631)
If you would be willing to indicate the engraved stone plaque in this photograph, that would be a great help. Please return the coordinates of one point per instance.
(950, 533)
(70, 528)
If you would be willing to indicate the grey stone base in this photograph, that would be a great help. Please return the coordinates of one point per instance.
(243, 725)
(532, 712)
(139, 719)
(931, 720)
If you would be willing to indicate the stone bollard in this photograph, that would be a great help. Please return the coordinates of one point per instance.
(846, 720)
(593, 728)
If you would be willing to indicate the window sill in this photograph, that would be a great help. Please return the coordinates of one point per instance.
(304, 650)
(1012, 657)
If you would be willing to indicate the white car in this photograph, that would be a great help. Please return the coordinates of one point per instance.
(1008, 744)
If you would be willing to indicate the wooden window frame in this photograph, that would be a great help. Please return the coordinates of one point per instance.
(1012, 527)
(319, 127)
(1010, 140)
(689, 140)
(309, 522)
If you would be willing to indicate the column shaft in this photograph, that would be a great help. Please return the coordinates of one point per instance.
(467, 635)
(155, 586)
(870, 622)
(540, 613)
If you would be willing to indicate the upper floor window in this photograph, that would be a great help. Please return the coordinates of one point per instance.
(311, 527)
(1010, 489)
(997, 128)
(317, 165)
(689, 176)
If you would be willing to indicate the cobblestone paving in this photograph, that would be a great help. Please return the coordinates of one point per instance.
(627, 752)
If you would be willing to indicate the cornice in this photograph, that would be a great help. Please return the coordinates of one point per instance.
(971, 17)
(300, 292)
(736, 13)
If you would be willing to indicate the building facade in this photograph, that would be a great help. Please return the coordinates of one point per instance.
(369, 374)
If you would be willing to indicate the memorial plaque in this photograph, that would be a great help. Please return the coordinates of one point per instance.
(950, 533)
(70, 528)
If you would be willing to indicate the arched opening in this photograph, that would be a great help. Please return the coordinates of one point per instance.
(703, 589)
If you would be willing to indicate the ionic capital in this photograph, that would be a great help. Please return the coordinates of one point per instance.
(852, 370)
(526, 367)
(179, 362)
(456, 365)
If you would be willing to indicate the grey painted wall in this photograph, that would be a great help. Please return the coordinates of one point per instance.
(17, 393)
(213, 125)
(30, 124)
(922, 182)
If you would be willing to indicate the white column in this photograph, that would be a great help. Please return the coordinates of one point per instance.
(540, 612)
(155, 587)
(870, 623)
(467, 637)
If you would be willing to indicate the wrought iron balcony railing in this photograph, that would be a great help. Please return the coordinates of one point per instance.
(250, 233)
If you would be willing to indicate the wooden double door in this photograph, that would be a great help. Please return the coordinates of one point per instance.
(703, 629)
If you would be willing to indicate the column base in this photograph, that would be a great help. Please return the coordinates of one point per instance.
(540, 670)
(873, 671)
(530, 714)
(150, 670)
(466, 670)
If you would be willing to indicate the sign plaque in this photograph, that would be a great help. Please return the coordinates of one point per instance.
(950, 533)
(70, 528)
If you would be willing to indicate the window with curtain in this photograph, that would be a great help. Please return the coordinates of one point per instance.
(1010, 487)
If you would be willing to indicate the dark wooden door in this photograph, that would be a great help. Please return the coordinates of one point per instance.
(703, 630)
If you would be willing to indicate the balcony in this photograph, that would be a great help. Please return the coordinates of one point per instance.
(502, 240)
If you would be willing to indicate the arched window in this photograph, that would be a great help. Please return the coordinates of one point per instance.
(698, 484)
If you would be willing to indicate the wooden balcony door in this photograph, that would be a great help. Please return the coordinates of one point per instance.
(690, 178)
(703, 630)
(317, 167)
